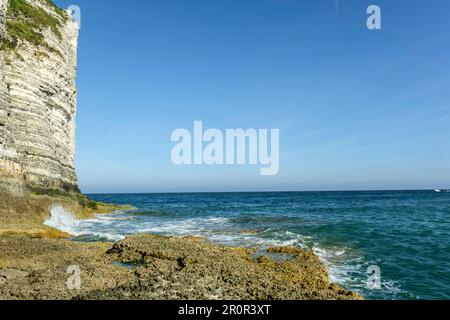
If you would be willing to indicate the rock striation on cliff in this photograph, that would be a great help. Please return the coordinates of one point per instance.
(38, 59)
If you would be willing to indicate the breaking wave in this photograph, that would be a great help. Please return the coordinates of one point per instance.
(114, 227)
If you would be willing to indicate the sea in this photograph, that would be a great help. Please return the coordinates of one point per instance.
(385, 245)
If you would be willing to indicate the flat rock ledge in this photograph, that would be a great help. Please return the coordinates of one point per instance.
(153, 267)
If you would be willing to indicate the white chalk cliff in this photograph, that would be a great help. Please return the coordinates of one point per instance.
(37, 97)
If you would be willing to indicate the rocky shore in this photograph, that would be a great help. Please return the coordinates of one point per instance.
(153, 267)
(36, 262)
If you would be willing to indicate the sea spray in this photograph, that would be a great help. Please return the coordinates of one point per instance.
(62, 219)
(89, 230)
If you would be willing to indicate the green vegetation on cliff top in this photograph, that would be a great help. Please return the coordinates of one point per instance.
(58, 10)
(26, 22)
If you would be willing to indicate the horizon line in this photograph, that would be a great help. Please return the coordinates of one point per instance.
(285, 191)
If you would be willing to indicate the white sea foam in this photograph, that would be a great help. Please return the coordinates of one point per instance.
(345, 266)
(116, 227)
(63, 220)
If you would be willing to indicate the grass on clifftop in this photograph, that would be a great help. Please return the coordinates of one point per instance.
(58, 10)
(26, 22)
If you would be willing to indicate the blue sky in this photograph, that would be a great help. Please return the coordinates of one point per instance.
(356, 109)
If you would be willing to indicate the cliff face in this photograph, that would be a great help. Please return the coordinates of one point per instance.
(37, 97)
(9, 168)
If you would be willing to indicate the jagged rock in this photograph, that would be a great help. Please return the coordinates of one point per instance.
(152, 267)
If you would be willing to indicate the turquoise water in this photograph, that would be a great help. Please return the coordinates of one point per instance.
(405, 234)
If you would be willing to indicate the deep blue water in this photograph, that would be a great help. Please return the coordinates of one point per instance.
(405, 233)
